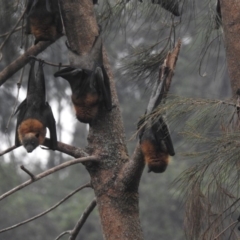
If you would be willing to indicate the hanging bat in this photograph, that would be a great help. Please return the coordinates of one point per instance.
(35, 114)
(89, 83)
(43, 20)
(155, 140)
(169, 5)
(156, 146)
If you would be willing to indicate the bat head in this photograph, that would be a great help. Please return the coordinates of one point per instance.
(158, 165)
(30, 141)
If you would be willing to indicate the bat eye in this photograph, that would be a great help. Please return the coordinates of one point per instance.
(37, 135)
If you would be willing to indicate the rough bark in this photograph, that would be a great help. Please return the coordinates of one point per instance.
(117, 199)
(230, 11)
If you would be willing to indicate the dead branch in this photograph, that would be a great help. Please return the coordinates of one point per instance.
(19, 84)
(49, 63)
(135, 166)
(48, 172)
(15, 30)
(21, 61)
(61, 147)
(88, 185)
(8, 150)
(82, 220)
(67, 149)
(233, 223)
(12, 31)
(63, 234)
(28, 172)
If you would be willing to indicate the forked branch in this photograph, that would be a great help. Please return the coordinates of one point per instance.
(88, 185)
(48, 172)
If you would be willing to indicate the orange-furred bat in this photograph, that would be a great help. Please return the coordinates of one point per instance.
(155, 140)
(89, 83)
(156, 146)
(35, 114)
(43, 20)
(169, 5)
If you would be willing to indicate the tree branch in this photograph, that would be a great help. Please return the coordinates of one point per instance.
(61, 147)
(48, 172)
(28, 172)
(67, 149)
(131, 173)
(82, 220)
(8, 150)
(62, 234)
(21, 61)
(88, 185)
(12, 31)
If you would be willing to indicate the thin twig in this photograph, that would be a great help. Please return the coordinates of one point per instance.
(61, 147)
(8, 150)
(62, 234)
(49, 63)
(48, 172)
(225, 229)
(88, 185)
(10, 33)
(21, 61)
(28, 172)
(82, 220)
(67, 149)
(19, 84)
(15, 30)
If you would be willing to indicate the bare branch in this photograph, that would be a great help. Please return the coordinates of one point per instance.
(63, 234)
(28, 172)
(21, 61)
(15, 30)
(8, 150)
(233, 223)
(19, 84)
(67, 149)
(82, 220)
(48, 172)
(10, 33)
(49, 63)
(88, 185)
(61, 147)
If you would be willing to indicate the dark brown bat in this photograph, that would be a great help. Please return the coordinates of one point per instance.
(155, 140)
(35, 114)
(156, 146)
(89, 83)
(43, 20)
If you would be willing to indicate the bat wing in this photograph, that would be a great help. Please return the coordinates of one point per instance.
(104, 86)
(51, 125)
(161, 133)
(21, 110)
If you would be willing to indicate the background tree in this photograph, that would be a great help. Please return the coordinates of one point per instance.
(131, 29)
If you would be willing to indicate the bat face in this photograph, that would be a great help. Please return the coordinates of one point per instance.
(89, 83)
(31, 133)
(35, 114)
(43, 20)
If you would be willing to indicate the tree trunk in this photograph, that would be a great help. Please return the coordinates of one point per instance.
(230, 11)
(116, 178)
